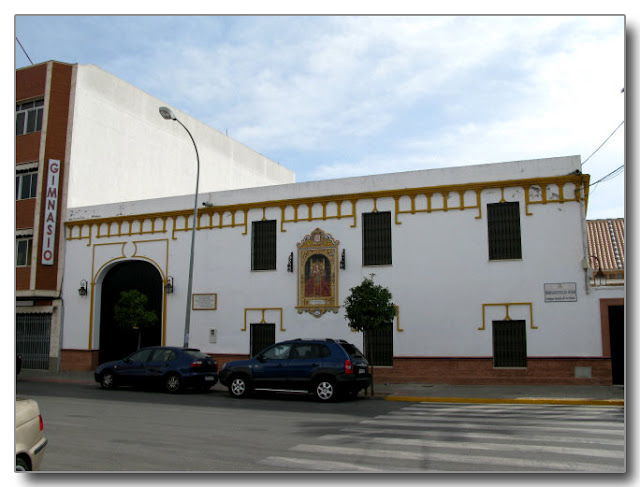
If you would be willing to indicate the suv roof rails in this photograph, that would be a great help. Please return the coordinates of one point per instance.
(315, 340)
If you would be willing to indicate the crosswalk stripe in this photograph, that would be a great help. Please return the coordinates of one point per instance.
(364, 431)
(591, 452)
(316, 465)
(487, 425)
(438, 438)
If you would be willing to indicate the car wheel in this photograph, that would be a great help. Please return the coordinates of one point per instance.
(239, 386)
(172, 383)
(21, 465)
(325, 390)
(108, 380)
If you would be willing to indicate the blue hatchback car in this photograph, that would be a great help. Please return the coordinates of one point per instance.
(172, 368)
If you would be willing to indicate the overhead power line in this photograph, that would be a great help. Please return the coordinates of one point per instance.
(605, 141)
(611, 175)
(23, 50)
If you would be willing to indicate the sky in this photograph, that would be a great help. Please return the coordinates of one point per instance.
(339, 96)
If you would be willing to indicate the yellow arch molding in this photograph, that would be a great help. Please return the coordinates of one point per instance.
(580, 183)
(263, 319)
(507, 317)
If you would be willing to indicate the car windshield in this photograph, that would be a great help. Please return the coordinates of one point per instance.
(352, 351)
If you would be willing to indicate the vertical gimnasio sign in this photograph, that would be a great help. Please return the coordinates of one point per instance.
(50, 212)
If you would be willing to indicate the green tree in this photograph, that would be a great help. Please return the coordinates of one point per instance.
(369, 307)
(131, 312)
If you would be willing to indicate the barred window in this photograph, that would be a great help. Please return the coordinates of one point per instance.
(23, 251)
(509, 343)
(263, 245)
(29, 117)
(26, 184)
(504, 231)
(379, 344)
(376, 238)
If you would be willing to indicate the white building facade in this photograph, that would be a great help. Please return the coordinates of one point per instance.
(487, 265)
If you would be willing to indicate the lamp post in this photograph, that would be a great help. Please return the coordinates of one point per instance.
(167, 114)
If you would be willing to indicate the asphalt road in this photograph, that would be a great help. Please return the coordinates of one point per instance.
(92, 430)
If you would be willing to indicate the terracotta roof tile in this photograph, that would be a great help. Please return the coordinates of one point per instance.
(606, 241)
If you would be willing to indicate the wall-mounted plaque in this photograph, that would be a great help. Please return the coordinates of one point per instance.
(560, 292)
(204, 301)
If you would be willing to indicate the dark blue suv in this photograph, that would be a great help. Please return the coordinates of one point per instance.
(324, 367)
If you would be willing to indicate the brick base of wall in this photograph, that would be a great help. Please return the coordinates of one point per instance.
(470, 371)
(71, 360)
(480, 371)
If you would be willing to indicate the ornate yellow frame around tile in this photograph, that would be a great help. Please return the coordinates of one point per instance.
(318, 274)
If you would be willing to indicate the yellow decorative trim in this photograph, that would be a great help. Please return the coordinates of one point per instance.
(263, 319)
(398, 319)
(579, 181)
(507, 317)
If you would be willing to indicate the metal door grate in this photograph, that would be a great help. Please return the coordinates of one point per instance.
(262, 335)
(509, 343)
(33, 335)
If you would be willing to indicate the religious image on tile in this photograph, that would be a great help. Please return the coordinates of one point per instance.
(317, 273)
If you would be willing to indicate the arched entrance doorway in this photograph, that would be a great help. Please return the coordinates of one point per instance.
(115, 342)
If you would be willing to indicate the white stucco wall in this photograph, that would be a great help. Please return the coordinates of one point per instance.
(440, 277)
(123, 150)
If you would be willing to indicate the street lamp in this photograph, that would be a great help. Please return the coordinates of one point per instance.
(599, 278)
(167, 114)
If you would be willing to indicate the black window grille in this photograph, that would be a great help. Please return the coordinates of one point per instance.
(504, 231)
(509, 343)
(376, 238)
(263, 245)
(379, 345)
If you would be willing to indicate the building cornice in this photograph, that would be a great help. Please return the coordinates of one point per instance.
(214, 217)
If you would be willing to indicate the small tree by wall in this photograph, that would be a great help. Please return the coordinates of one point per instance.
(131, 312)
(369, 307)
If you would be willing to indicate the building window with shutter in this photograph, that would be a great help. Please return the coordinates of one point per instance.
(376, 238)
(23, 251)
(263, 245)
(26, 184)
(509, 343)
(29, 117)
(504, 231)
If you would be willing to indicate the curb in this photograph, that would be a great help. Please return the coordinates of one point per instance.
(478, 400)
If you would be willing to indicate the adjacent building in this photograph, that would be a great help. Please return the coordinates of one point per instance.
(85, 137)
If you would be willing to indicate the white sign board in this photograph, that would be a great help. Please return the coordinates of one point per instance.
(204, 301)
(50, 213)
(561, 292)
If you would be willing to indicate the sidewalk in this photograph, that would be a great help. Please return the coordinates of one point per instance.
(492, 394)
